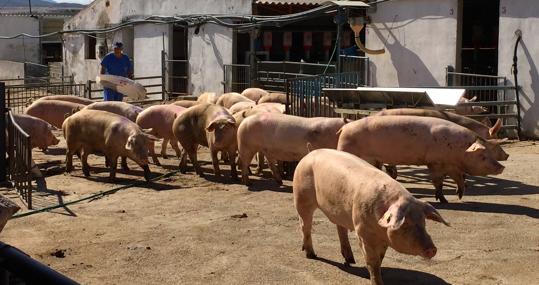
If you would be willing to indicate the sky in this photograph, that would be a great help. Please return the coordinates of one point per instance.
(75, 1)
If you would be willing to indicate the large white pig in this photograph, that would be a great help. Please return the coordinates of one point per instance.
(358, 197)
(125, 109)
(254, 93)
(228, 100)
(94, 131)
(283, 138)
(160, 118)
(445, 147)
(52, 111)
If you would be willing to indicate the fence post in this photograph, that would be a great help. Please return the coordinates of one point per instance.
(3, 177)
(89, 89)
(163, 75)
(448, 78)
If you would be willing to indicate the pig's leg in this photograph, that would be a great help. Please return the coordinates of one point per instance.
(151, 148)
(305, 210)
(245, 159)
(215, 161)
(124, 164)
(232, 160)
(192, 152)
(373, 254)
(164, 148)
(346, 250)
(460, 181)
(274, 170)
(260, 163)
(113, 164)
(174, 144)
(437, 176)
(84, 161)
(69, 160)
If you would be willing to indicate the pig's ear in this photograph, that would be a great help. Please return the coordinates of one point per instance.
(231, 122)
(432, 214)
(473, 99)
(393, 218)
(476, 146)
(130, 143)
(211, 126)
(494, 130)
(152, 137)
(497, 141)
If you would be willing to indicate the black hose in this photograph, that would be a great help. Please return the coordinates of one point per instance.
(515, 74)
(28, 269)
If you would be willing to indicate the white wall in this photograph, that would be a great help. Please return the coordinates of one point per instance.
(11, 70)
(523, 15)
(208, 52)
(420, 38)
(19, 49)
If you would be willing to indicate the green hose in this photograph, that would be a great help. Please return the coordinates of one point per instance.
(93, 196)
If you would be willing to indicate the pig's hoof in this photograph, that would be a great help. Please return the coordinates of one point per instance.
(442, 199)
(86, 172)
(125, 168)
(460, 194)
(349, 261)
(310, 255)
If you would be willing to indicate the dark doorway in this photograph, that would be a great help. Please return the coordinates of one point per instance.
(179, 65)
(51, 52)
(479, 32)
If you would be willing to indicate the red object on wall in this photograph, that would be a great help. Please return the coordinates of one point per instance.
(268, 38)
(287, 40)
(327, 40)
(307, 40)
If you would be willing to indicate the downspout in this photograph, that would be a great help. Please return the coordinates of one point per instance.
(518, 33)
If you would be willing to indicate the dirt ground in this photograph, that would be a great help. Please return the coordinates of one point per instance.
(191, 230)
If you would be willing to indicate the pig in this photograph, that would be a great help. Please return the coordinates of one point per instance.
(271, 107)
(52, 111)
(68, 98)
(211, 126)
(40, 131)
(254, 93)
(273, 98)
(227, 100)
(125, 109)
(119, 108)
(443, 146)
(91, 131)
(282, 137)
(160, 118)
(466, 110)
(185, 103)
(358, 197)
(208, 97)
(240, 106)
(480, 128)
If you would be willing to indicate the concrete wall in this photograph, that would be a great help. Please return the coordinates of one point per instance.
(420, 38)
(522, 15)
(208, 50)
(11, 70)
(20, 49)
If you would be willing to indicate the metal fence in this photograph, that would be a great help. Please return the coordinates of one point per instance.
(19, 150)
(304, 95)
(493, 93)
(360, 64)
(272, 75)
(20, 96)
(237, 77)
(175, 76)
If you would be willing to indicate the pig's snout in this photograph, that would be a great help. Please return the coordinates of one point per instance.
(430, 252)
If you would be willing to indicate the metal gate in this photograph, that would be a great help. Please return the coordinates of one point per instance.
(19, 150)
(304, 95)
(175, 76)
(237, 77)
(492, 92)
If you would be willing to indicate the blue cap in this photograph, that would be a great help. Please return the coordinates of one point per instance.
(117, 45)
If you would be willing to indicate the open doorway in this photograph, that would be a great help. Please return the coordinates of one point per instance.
(179, 64)
(479, 36)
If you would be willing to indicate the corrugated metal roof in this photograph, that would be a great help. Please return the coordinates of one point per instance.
(290, 2)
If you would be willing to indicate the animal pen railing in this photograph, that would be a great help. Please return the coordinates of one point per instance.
(492, 92)
(19, 151)
(304, 95)
(19, 96)
(237, 77)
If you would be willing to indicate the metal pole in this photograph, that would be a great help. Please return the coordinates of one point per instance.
(30, 6)
(163, 76)
(252, 58)
(339, 21)
(3, 112)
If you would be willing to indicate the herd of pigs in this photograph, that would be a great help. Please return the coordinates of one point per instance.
(340, 162)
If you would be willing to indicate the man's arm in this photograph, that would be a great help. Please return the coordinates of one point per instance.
(130, 72)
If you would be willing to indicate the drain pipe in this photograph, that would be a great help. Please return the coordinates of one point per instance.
(518, 33)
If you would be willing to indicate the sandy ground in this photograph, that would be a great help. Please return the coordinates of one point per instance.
(191, 230)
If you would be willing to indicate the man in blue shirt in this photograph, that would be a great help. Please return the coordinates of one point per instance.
(116, 63)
